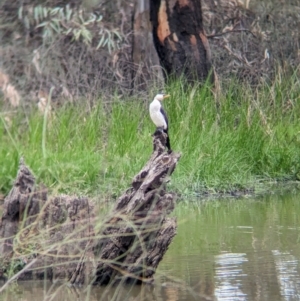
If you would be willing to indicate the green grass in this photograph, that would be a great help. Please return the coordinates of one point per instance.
(244, 136)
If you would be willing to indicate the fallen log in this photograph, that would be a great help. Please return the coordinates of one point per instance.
(61, 238)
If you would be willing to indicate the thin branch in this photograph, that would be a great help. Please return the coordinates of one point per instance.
(230, 31)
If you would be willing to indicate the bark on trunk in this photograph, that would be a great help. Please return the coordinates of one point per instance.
(179, 38)
(60, 238)
(145, 58)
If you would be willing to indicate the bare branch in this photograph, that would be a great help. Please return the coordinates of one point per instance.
(230, 31)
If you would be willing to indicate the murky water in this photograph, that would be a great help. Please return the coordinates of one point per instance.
(246, 249)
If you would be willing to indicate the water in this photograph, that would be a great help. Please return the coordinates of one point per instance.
(233, 250)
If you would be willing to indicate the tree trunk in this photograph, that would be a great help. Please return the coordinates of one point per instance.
(179, 38)
(60, 238)
(145, 58)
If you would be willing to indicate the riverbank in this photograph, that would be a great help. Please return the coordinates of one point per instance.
(228, 143)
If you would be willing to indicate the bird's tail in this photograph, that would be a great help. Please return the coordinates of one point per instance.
(168, 144)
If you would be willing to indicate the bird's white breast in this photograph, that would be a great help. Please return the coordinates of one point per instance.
(155, 114)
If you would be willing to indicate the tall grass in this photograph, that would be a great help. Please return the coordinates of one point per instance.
(243, 136)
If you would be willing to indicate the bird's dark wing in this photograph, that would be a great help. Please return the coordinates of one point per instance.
(168, 145)
(165, 116)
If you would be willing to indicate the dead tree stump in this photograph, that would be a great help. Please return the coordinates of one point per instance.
(59, 238)
(179, 39)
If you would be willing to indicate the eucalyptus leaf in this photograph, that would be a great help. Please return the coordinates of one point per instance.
(55, 27)
(20, 12)
(100, 42)
(54, 11)
(67, 31)
(68, 13)
(45, 11)
(62, 13)
(88, 36)
(117, 34)
(105, 42)
(43, 24)
(36, 14)
(76, 33)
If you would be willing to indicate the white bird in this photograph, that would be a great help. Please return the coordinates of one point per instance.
(159, 116)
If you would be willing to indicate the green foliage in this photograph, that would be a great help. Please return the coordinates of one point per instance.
(15, 266)
(76, 23)
(86, 151)
(243, 136)
(240, 139)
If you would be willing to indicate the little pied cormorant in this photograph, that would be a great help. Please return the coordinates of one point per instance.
(159, 116)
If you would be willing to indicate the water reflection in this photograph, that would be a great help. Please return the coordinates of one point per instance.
(228, 276)
(225, 250)
(287, 267)
(37, 291)
(244, 249)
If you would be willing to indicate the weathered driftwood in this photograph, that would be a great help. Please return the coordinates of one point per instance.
(60, 238)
